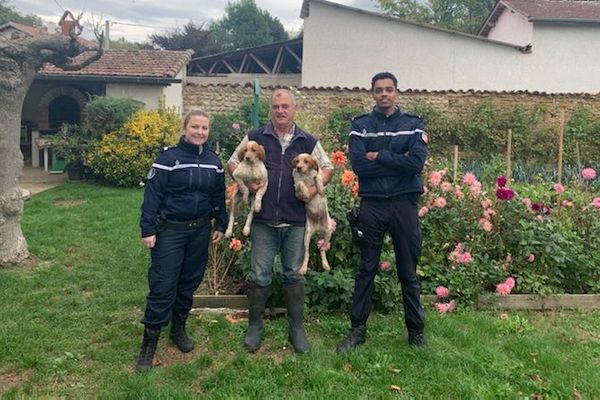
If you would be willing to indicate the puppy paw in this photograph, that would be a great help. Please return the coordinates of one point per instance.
(326, 267)
(246, 231)
(257, 207)
(228, 233)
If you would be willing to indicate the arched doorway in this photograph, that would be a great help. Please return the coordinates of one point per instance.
(63, 110)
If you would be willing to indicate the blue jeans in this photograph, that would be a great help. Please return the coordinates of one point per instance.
(267, 242)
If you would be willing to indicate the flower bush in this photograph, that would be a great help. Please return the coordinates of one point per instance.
(124, 157)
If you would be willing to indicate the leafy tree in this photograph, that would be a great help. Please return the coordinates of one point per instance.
(191, 36)
(245, 25)
(458, 15)
(9, 14)
(123, 44)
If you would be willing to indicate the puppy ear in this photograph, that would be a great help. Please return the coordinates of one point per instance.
(261, 152)
(313, 163)
(242, 153)
(295, 161)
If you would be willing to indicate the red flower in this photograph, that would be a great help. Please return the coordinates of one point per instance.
(501, 181)
(338, 159)
(235, 245)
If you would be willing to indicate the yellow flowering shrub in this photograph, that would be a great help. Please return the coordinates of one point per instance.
(124, 157)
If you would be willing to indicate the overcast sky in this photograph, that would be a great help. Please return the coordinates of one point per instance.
(161, 15)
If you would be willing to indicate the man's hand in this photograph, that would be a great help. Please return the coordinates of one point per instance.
(217, 236)
(254, 187)
(372, 155)
(149, 241)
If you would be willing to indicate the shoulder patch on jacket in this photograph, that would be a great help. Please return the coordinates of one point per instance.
(360, 116)
(167, 148)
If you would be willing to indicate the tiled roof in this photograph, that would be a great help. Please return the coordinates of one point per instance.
(557, 9)
(129, 63)
(33, 31)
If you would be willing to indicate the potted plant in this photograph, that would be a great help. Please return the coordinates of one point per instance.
(70, 144)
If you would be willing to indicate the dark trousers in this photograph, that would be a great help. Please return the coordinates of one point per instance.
(398, 216)
(178, 262)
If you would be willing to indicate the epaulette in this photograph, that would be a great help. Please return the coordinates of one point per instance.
(167, 148)
(361, 116)
(413, 115)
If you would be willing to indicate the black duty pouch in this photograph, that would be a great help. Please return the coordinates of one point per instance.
(358, 236)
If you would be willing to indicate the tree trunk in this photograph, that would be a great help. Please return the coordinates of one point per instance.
(15, 80)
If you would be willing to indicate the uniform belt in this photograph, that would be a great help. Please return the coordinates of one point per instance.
(186, 225)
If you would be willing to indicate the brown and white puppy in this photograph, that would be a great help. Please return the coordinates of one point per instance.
(251, 169)
(307, 173)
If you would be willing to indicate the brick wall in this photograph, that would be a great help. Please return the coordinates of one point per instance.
(216, 99)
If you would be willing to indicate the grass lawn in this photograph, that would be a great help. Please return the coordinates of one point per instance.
(69, 328)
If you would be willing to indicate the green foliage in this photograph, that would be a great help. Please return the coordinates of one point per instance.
(70, 143)
(195, 36)
(581, 137)
(337, 126)
(123, 44)
(104, 114)
(245, 25)
(228, 129)
(459, 15)
(123, 157)
(9, 14)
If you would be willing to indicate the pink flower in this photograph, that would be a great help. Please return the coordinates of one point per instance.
(501, 181)
(235, 244)
(423, 211)
(385, 265)
(465, 258)
(531, 258)
(527, 201)
(566, 203)
(558, 188)
(539, 218)
(508, 259)
(510, 281)
(469, 179)
(458, 192)
(442, 292)
(435, 178)
(503, 289)
(486, 203)
(235, 126)
(425, 190)
(444, 308)
(475, 189)
(488, 213)
(596, 202)
(486, 225)
(588, 174)
(446, 186)
(323, 245)
(440, 202)
(332, 224)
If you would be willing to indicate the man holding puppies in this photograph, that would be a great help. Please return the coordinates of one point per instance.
(279, 226)
(387, 149)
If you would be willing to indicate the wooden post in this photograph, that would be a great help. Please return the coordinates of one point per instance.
(561, 136)
(509, 155)
(578, 155)
(455, 176)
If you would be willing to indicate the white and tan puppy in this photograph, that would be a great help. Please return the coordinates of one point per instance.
(251, 169)
(307, 173)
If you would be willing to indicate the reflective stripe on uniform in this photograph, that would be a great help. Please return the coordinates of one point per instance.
(182, 166)
(382, 134)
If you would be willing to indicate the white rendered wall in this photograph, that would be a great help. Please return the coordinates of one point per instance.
(346, 48)
(512, 27)
(147, 94)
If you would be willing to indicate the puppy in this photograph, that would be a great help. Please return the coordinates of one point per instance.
(251, 169)
(307, 173)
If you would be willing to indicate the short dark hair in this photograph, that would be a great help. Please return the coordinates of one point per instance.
(383, 75)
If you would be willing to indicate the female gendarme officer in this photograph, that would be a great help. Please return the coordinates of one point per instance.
(184, 191)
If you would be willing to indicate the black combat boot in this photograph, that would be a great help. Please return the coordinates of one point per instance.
(356, 337)
(417, 339)
(257, 300)
(294, 301)
(179, 335)
(148, 349)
